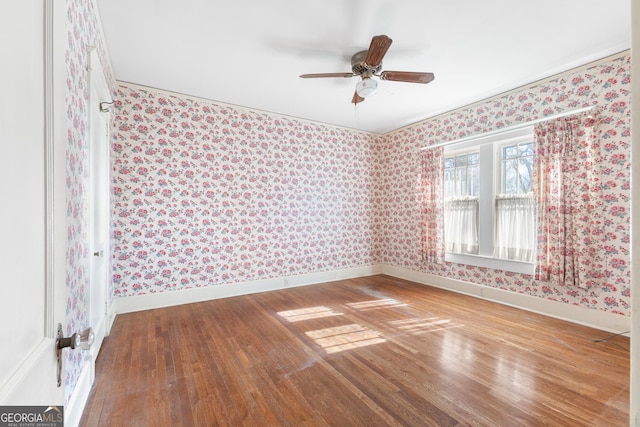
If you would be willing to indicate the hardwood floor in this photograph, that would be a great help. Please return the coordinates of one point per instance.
(372, 351)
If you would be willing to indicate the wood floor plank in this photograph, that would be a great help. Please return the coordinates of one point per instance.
(369, 351)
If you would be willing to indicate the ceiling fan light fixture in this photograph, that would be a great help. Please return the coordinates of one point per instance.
(368, 63)
(366, 87)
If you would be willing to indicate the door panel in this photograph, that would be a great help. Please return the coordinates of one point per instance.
(27, 362)
(99, 201)
(99, 227)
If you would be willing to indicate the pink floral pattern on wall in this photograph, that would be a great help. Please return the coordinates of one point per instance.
(397, 209)
(82, 32)
(208, 194)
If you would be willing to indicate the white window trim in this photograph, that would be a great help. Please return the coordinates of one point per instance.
(489, 154)
(499, 146)
(490, 262)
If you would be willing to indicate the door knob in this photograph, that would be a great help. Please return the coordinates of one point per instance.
(82, 340)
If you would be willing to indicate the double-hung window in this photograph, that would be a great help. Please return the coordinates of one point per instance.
(461, 191)
(515, 223)
(489, 210)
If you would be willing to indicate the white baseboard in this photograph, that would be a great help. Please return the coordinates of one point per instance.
(111, 317)
(77, 401)
(186, 296)
(594, 318)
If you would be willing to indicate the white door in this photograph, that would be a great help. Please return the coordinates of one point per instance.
(98, 202)
(31, 294)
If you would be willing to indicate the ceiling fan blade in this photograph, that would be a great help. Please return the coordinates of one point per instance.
(321, 75)
(407, 76)
(377, 50)
(356, 98)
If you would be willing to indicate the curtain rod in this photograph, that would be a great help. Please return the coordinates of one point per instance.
(507, 129)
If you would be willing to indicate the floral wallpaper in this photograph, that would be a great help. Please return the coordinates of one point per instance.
(396, 181)
(82, 32)
(207, 194)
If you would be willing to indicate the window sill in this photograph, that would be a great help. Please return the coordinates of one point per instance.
(490, 262)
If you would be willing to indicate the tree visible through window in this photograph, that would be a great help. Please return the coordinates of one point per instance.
(517, 168)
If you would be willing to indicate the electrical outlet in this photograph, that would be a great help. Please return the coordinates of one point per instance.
(481, 292)
(286, 282)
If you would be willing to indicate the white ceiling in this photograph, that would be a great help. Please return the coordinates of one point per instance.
(250, 52)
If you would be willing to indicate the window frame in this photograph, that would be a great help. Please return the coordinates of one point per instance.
(499, 147)
(456, 154)
(490, 184)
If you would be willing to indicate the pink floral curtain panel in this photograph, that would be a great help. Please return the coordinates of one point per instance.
(567, 187)
(433, 197)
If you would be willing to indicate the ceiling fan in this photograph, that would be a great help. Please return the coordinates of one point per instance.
(368, 63)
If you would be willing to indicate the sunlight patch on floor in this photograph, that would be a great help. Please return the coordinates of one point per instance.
(375, 304)
(418, 326)
(514, 378)
(345, 337)
(457, 349)
(308, 313)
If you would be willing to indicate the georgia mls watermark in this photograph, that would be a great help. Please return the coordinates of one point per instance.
(31, 416)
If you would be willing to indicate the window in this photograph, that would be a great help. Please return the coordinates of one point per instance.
(515, 207)
(461, 191)
(489, 210)
(517, 168)
(461, 175)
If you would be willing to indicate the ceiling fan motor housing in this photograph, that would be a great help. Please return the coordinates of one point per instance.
(361, 68)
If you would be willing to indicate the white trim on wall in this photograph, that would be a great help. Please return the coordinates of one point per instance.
(78, 400)
(594, 318)
(553, 75)
(241, 108)
(49, 151)
(187, 296)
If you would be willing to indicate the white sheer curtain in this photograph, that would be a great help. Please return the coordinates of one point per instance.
(461, 225)
(515, 235)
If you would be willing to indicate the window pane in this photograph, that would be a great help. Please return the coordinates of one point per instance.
(474, 180)
(447, 183)
(461, 181)
(449, 163)
(515, 228)
(509, 152)
(525, 172)
(461, 226)
(510, 176)
(462, 175)
(526, 149)
(517, 168)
